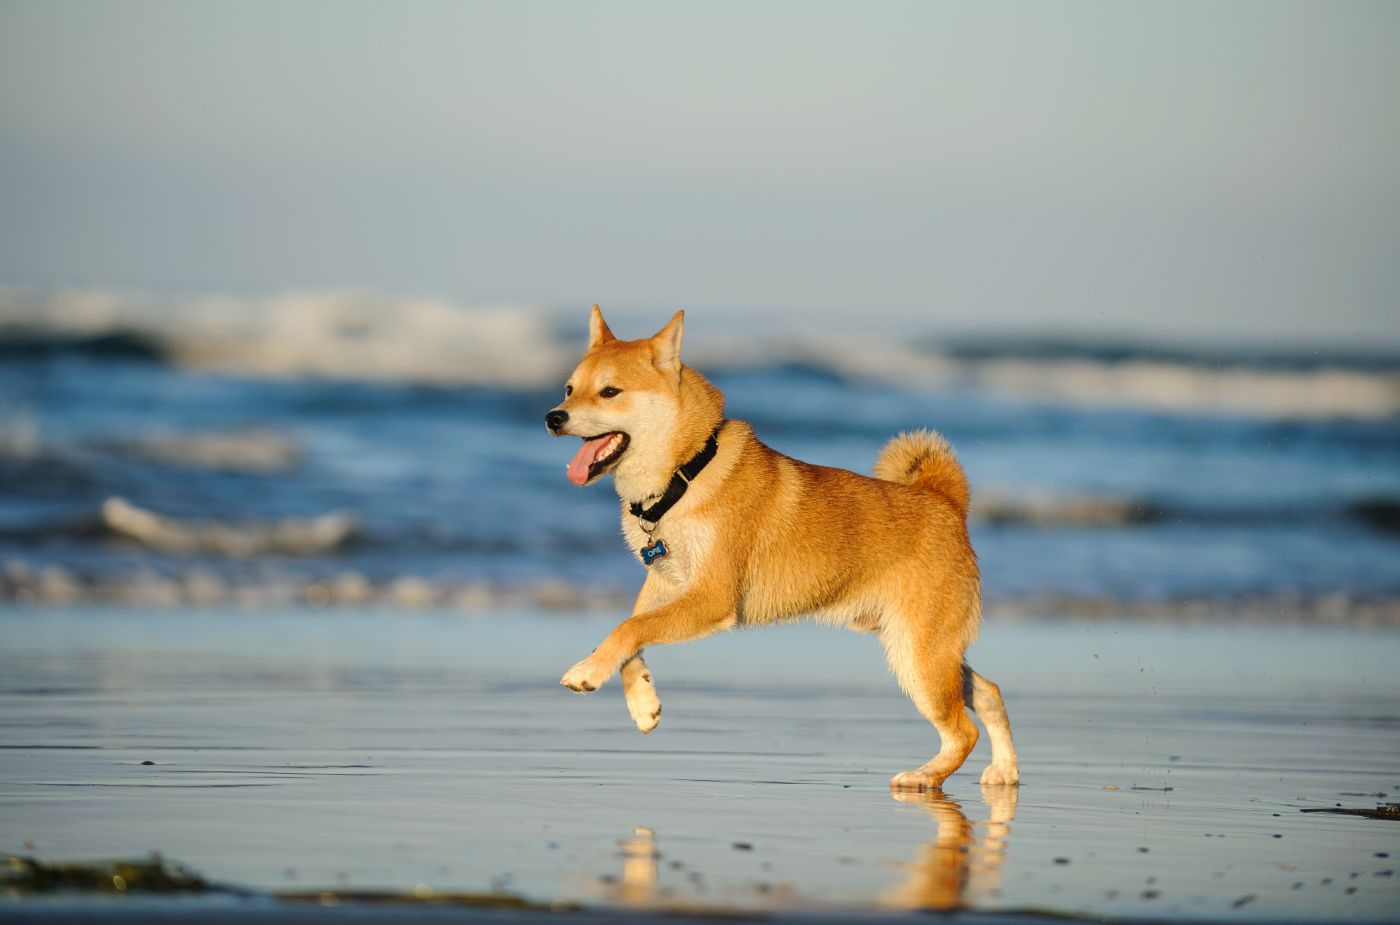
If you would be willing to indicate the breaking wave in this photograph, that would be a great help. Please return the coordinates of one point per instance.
(117, 519)
(1378, 513)
(255, 451)
(1177, 382)
(365, 337)
(291, 536)
(54, 585)
(312, 536)
(194, 586)
(334, 334)
(1062, 510)
(259, 451)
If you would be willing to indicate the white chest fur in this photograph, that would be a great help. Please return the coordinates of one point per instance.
(688, 542)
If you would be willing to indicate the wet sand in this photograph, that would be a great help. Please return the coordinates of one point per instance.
(1165, 768)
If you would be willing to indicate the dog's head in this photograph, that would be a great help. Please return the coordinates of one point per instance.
(623, 399)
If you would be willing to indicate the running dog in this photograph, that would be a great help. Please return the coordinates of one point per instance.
(733, 533)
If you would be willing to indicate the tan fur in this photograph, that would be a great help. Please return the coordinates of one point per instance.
(963, 863)
(760, 537)
(924, 459)
(958, 869)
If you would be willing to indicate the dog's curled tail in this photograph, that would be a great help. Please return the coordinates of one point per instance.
(924, 459)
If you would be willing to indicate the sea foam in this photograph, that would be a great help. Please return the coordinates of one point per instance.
(357, 336)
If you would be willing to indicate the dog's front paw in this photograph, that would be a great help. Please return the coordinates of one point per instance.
(586, 676)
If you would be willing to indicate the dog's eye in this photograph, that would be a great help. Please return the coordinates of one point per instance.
(610, 392)
(568, 390)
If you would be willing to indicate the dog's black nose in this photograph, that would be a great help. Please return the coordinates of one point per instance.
(555, 419)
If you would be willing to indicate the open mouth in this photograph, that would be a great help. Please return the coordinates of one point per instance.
(596, 456)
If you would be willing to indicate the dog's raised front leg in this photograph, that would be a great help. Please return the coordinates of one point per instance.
(698, 612)
(638, 689)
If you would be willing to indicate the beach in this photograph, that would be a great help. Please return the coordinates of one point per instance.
(1169, 772)
(319, 466)
(287, 586)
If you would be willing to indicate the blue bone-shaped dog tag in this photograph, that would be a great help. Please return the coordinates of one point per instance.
(653, 552)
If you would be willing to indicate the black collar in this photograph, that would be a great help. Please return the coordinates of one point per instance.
(680, 481)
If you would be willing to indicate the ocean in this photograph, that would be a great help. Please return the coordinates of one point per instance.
(340, 449)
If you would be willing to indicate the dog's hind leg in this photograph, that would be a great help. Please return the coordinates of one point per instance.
(640, 692)
(925, 647)
(984, 698)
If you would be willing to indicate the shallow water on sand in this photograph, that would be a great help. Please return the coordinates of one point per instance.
(1165, 767)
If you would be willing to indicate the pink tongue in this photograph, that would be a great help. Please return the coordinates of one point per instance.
(578, 468)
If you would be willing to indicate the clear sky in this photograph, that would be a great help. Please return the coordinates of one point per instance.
(1192, 170)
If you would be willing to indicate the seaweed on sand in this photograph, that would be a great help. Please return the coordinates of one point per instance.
(1382, 811)
(29, 875)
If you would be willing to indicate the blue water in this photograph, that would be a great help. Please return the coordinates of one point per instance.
(458, 484)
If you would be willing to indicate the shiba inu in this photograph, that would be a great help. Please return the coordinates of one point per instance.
(733, 533)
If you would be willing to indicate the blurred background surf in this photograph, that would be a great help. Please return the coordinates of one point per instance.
(341, 449)
(285, 290)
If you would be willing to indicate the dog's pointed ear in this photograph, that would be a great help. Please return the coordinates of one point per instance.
(666, 345)
(598, 331)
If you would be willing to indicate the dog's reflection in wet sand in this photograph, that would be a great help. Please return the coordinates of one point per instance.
(964, 859)
(961, 864)
(638, 884)
(639, 856)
